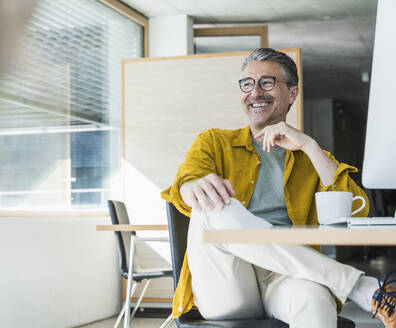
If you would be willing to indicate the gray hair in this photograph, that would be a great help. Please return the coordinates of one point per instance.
(268, 54)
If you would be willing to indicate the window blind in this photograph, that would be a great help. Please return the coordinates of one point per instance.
(68, 66)
(60, 106)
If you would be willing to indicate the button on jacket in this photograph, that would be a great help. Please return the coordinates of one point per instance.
(230, 154)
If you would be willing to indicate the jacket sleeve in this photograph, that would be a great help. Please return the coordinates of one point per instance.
(343, 182)
(199, 162)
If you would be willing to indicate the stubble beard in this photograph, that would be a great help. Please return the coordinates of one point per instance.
(272, 119)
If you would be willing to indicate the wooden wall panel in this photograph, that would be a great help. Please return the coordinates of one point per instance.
(168, 101)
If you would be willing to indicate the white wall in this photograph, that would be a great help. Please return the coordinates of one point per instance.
(170, 36)
(57, 272)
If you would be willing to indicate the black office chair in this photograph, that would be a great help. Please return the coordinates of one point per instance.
(125, 241)
(178, 229)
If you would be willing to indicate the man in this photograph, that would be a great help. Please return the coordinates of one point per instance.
(265, 174)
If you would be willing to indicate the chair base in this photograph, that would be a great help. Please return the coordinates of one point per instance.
(132, 291)
(167, 322)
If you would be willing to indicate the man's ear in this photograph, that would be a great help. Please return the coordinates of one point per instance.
(293, 94)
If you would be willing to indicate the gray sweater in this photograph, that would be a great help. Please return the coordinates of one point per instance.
(268, 201)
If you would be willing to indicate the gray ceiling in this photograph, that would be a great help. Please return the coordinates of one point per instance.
(336, 37)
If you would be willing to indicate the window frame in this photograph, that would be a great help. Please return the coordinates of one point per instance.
(133, 15)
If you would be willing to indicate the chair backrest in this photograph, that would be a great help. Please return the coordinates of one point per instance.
(178, 230)
(119, 215)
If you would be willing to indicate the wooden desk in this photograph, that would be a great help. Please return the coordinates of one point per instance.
(129, 227)
(310, 235)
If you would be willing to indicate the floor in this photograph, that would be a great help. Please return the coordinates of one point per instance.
(374, 261)
(136, 323)
(362, 320)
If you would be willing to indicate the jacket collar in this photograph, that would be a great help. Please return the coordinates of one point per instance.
(243, 138)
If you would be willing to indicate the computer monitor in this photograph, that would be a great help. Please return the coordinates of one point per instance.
(379, 163)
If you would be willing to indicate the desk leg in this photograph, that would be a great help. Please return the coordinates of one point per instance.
(129, 284)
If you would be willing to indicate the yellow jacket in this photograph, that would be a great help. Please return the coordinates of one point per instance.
(230, 154)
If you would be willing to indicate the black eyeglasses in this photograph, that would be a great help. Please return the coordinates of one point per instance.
(266, 83)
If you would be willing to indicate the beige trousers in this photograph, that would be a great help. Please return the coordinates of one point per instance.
(293, 283)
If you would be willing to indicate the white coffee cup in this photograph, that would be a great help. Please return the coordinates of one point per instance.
(332, 205)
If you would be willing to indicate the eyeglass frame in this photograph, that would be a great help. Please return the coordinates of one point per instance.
(261, 77)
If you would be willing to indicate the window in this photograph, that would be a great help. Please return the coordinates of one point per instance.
(60, 106)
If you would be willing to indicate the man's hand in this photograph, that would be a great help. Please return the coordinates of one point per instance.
(283, 135)
(206, 192)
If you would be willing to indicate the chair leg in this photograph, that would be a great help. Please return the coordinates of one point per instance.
(119, 316)
(167, 322)
(134, 286)
(140, 298)
(129, 284)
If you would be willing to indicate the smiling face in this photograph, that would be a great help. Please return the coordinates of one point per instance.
(266, 107)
